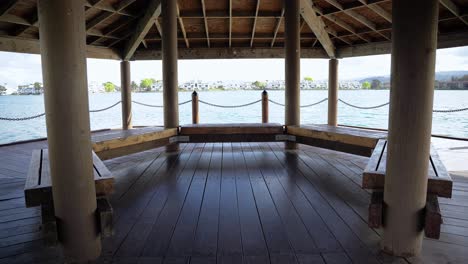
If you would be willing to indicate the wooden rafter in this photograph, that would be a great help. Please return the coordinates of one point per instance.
(230, 23)
(455, 10)
(103, 6)
(152, 12)
(357, 17)
(182, 28)
(106, 15)
(158, 27)
(378, 10)
(277, 27)
(34, 23)
(255, 23)
(6, 6)
(318, 27)
(346, 26)
(108, 33)
(206, 23)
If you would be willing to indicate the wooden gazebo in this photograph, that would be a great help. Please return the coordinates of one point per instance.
(66, 32)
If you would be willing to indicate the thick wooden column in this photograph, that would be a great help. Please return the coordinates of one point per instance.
(63, 50)
(292, 64)
(333, 92)
(126, 91)
(414, 42)
(169, 57)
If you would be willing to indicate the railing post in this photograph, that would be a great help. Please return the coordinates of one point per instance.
(195, 116)
(333, 92)
(126, 93)
(264, 106)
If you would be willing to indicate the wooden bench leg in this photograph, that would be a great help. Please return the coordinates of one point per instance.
(104, 215)
(376, 210)
(432, 217)
(49, 225)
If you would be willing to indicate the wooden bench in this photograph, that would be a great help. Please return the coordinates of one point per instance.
(254, 132)
(120, 143)
(439, 185)
(38, 192)
(344, 139)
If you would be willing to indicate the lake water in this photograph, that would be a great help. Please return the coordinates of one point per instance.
(453, 124)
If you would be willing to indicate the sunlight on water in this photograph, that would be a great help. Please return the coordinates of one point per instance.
(453, 124)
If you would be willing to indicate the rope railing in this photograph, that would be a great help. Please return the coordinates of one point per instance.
(230, 106)
(105, 108)
(302, 106)
(159, 106)
(43, 114)
(363, 107)
(234, 106)
(385, 104)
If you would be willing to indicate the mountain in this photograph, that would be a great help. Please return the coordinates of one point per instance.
(439, 76)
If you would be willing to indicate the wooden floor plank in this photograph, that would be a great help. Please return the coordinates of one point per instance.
(229, 236)
(161, 232)
(275, 233)
(254, 245)
(184, 234)
(298, 235)
(206, 236)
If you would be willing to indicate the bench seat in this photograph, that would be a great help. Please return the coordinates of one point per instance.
(439, 180)
(38, 187)
(345, 139)
(246, 132)
(121, 143)
(38, 192)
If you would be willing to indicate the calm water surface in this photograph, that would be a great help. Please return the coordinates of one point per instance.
(454, 124)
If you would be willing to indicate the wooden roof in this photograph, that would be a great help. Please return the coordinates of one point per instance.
(131, 29)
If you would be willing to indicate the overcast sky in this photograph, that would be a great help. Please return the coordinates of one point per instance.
(16, 68)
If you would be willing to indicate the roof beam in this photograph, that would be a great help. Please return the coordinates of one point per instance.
(318, 27)
(153, 11)
(278, 24)
(7, 6)
(452, 7)
(182, 27)
(233, 53)
(255, 23)
(206, 23)
(32, 47)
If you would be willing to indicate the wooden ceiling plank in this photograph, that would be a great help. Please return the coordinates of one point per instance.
(379, 10)
(182, 27)
(152, 12)
(7, 6)
(277, 27)
(318, 27)
(206, 23)
(255, 23)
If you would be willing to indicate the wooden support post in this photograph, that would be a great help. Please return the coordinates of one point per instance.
(170, 74)
(292, 65)
(264, 106)
(63, 50)
(333, 92)
(414, 42)
(126, 91)
(195, 115)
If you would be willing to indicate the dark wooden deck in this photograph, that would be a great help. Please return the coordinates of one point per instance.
(229, 203)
